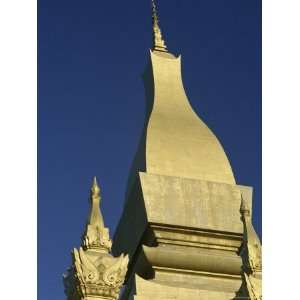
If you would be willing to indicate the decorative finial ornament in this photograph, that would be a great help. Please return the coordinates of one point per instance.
(158, 42)
(251, 242)
(251, 256)
(95, 190)
(96, 236)
(95, 273)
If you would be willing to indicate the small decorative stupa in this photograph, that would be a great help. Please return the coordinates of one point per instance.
(95, 273)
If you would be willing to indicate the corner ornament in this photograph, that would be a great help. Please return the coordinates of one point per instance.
(95, 273)
(251, 256)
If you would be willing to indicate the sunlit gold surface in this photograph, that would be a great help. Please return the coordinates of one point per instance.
(178, 142)
(181, 224)
(95, 274)
(158, 41)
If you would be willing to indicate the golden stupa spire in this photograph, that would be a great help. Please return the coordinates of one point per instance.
(95, 215)
(95, 273)
(96, 235)
(95, 190)
(158, 42)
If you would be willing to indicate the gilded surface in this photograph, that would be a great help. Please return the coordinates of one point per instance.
(178, 142)
(175, 141)
(192, 203)
(181, 223)
(158, 42)
(95, 273)
(96, 236)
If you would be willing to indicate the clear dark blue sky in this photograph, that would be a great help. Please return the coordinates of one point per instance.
(91, 103)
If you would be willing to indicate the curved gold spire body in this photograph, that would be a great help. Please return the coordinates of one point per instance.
(175, 141)
(178, 142)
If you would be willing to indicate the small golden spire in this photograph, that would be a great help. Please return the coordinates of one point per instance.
(158, 42)
(95, 217)
(96, 235)
(95, 190)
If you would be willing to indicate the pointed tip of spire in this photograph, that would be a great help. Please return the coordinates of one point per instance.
(158, 41)
(95, 181)
(95, 188)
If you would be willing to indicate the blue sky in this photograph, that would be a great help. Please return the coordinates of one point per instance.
(91, 103)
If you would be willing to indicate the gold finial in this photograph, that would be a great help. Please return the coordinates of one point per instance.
(158, 42)
(95, 190)
(96, 235)
(95, 215)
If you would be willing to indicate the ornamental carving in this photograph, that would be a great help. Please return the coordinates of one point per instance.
(251, 256)
(94, 272)
(96, 238)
